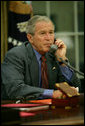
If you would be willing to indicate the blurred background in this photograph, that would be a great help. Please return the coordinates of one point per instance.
(67, 16)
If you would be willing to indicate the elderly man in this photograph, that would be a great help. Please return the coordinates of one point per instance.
(22, 72)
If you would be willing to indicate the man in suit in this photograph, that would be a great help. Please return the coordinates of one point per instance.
(21, 68)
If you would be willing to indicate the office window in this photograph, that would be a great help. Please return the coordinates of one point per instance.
(39, 7)
(61, 13)
(81, 53)
(81, 16)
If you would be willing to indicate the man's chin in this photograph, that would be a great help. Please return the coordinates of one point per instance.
(46, 50)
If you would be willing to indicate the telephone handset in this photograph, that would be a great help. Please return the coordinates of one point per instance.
(54, 40)
(53, 47)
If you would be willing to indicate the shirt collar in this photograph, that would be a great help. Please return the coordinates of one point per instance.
(38, 55)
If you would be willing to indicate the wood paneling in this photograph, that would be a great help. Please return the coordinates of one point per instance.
(4, 28)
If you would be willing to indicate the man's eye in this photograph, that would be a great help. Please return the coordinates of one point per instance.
(42, 33)
(51, 32)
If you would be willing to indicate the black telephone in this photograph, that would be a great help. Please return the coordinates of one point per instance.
(54, 40)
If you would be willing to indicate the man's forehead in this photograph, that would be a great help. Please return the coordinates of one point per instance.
(44, 24)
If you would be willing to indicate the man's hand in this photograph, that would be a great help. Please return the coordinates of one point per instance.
(61, 51)
(76, 89)
(58, 94)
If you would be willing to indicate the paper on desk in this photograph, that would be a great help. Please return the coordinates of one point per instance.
(26, 114)
(21, 105)
(43, 101)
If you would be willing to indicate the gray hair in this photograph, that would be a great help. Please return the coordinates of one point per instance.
(32, 22)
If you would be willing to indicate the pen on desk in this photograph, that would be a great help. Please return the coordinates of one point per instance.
(18, 101)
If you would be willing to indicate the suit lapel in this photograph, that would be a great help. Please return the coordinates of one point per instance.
(51, 70)
(34, 68)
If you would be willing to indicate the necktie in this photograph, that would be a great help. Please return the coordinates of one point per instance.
(44, 72)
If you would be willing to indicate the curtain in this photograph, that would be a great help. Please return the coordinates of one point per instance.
(14, 17)
(18, 15)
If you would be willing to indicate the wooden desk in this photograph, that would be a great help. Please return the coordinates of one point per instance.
(57, 116)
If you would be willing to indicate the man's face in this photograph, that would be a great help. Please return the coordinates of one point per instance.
(43, 37)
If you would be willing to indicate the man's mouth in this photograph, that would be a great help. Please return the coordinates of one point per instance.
(47, 45)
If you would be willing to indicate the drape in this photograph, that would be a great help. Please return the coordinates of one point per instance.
(20, 12)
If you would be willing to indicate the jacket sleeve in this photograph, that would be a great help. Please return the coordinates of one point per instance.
(75, 81)
(72, 79)
(12, 74)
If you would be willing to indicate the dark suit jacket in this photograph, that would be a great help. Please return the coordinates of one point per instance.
(20, 73)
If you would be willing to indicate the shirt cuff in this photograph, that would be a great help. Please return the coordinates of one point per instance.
(48, 93)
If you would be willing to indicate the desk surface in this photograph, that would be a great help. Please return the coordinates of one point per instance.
(55, 116)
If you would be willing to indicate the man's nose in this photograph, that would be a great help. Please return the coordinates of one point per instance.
(47, 37)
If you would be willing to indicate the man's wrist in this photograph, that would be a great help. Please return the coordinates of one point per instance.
(60, 58)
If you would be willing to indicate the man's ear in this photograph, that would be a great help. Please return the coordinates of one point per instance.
(30, 38)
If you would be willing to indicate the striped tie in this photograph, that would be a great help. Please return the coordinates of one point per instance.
(44, 72)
